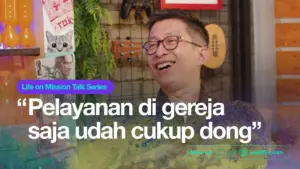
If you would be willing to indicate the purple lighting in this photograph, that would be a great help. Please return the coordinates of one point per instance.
(1, 27)
(18, 30)
(32, 26)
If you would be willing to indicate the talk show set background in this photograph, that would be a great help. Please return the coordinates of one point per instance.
(250, 63)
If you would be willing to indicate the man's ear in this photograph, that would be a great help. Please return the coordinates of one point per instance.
(203, 55)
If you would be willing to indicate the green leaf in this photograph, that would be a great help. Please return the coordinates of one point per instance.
(93, 57)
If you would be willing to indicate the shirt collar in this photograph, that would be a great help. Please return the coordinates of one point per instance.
(163, 98)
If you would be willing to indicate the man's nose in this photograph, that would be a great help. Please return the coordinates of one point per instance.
(161, 50)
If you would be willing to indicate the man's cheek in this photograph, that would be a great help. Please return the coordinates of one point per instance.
(152, 67)
(152, 70)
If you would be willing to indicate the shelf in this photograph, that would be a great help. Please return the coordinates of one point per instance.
(20, 52)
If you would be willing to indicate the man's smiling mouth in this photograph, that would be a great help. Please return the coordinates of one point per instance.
(165, 65)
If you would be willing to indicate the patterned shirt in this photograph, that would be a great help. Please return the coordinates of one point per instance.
(237, 113)
(167, 153)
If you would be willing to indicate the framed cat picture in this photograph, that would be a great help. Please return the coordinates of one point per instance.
(58, 20)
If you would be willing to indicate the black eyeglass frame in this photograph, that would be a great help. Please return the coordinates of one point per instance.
(179, 39)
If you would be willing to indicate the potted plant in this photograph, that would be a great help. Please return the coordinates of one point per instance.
(93, 57)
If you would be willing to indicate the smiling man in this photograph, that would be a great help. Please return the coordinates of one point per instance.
(176, 49)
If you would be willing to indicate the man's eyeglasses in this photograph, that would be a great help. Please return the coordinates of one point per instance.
(169, 43)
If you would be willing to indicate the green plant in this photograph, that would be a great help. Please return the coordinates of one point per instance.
(93, 57)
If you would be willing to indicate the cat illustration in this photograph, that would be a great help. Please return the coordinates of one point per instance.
(59, 43)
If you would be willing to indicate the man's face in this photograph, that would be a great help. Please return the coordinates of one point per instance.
(184, 59)
(66, 67)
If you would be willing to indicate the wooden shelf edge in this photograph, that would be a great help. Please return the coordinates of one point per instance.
(20, 52)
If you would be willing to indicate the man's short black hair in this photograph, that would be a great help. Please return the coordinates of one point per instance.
(191, 20)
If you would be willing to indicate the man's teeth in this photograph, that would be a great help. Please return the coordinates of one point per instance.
(164, 65)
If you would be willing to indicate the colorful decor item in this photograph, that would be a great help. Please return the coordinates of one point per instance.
(58, 20)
